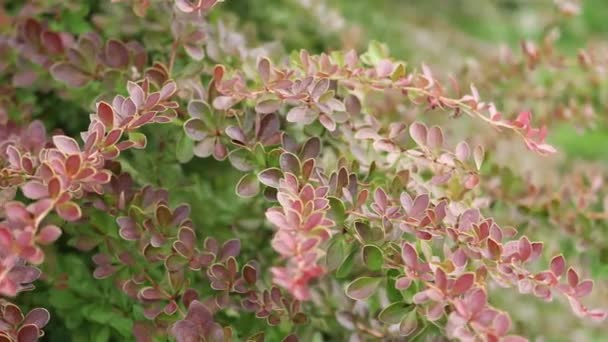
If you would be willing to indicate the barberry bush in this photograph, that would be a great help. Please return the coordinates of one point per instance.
(200, 170)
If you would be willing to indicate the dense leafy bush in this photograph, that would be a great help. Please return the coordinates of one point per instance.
(222, 189)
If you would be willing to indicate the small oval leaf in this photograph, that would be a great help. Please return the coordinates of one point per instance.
(362, 288)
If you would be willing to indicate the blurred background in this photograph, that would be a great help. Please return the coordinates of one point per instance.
(449, 35)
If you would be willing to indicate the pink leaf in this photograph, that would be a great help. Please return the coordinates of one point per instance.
(48, 234)
(501, 324)
(264, 69)
(409, 255)
(418, 132)
(584, 288)
(462, 284)
(38, 317)
(403, 283)
(435, 137)
(34, 190)
(572, 277)
(66, 144)
(558, 265)
(463, 151)
(69, 211)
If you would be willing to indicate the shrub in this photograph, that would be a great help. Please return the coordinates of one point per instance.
(354, 218)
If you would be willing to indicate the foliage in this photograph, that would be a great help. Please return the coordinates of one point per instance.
(223, 190)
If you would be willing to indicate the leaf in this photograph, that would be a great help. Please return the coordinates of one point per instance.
(362, 288)
(290, 163)
(394, 313)
(558, 265)
(270, 177)
(100, 334)
(392, 293)
(69, 74)
(398, 72)
(311, 148)
(376, 51)
(409, 324)
(241, 159)
(462, 151)
(201, 110)
(337, 210)
(66, 144)
(572, 276)
(139, 140)
(264, 69)
(184, 149)
(236, 134)
(34, 190)
(248, 186)
(373, 257)
(195, 129)
(463, 284)
(205, 148)
(69, 211)
(336, 252)
(224, 102)
(268, 106)
(48, 234)
(435, 137)
(418, 132)
(301, 114)
(105, 113)
(352, 104)
(347, 265)
(409, 255)
(478, 155)
(38, 317)
(117, 55)
(28, 333)
(369, 233)
(52, 42)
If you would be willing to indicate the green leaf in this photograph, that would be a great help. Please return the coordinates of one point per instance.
(392, 293)
(398, 72)
(64, 299)
(139, 139)
(338, 57)
(347, 265)
(362, 288)
(375, 53)
(123, 325)
(100, 334)
(336, 252)
(394, 313)
(368, 233)
(373, 257)
(260, 155)
(201, 110)
(99, 314)
(409, 324)
(184, 149)
(337, 210)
